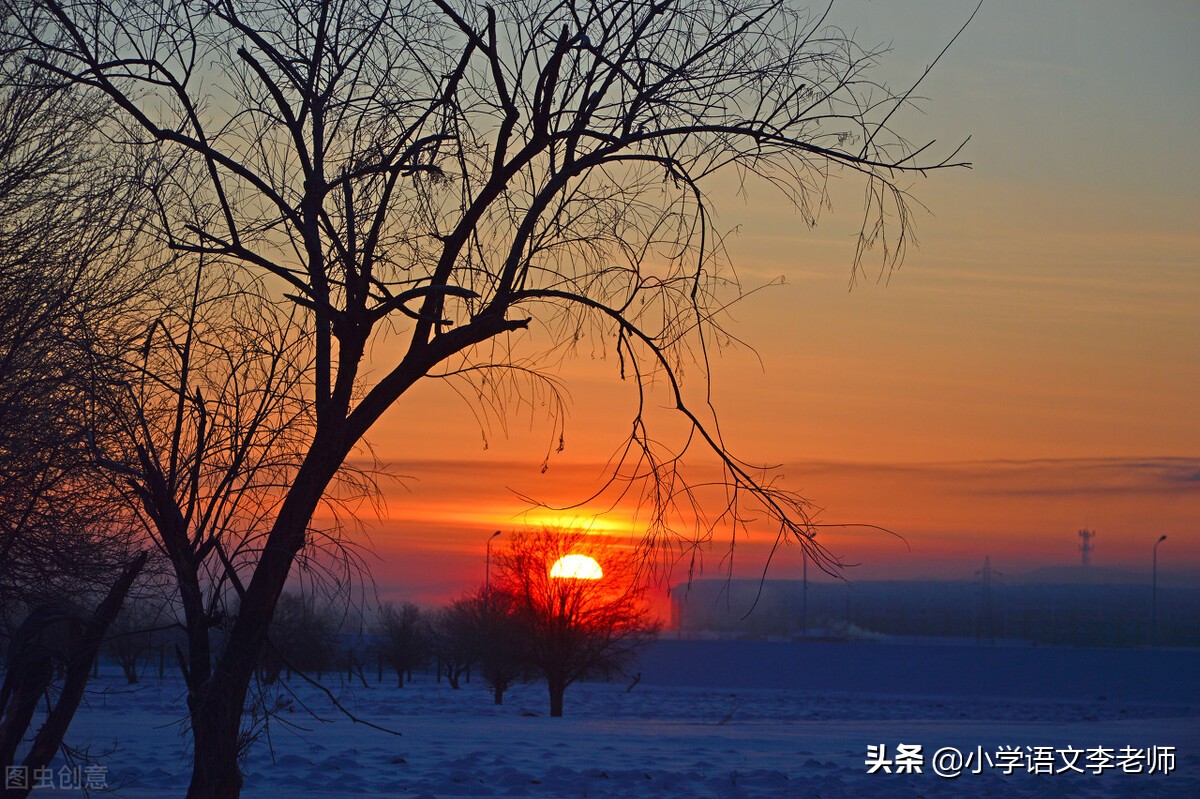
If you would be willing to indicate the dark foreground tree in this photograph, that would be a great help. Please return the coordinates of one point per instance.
(574, 625)
(210, 414)
(53, 637)
(69, 218)
(68, 261)
(485, 187)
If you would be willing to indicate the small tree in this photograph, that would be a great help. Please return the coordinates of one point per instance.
(482, 629)
(405, 643)
(303, 637)
(574, 625)
(133, 636)
(503, 650)
(454, 643)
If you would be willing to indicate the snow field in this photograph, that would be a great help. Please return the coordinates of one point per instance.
(735, 741)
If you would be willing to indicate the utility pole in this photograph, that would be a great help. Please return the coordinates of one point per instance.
(1154, 594)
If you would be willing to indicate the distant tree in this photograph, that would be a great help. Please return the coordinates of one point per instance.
(303, 637)
(358, 648)
(504, 656)
(405, 638)
(574, 627)
(456, 641)
(432, 179)
(482, 630)
(135, 634)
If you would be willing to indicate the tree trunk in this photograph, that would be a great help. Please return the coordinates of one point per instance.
(216, 721)
(558, 687)
(81, 661)
(22, 695)
(215, 705)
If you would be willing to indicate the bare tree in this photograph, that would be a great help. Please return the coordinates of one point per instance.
(69, 217)
(53, 636)
(574, 626)
(405, 639)
(68, 258)
(209, 413)
(498, 628)
(134, 635)
(455, 642)
(447, 176)
(480, 631)
(303, 637)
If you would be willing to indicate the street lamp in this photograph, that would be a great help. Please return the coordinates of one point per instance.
(487, 575)
(1154, 594)
(804, 599)
(804, 590)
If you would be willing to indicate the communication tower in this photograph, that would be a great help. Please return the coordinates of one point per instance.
(986, 626)
(1086, 546)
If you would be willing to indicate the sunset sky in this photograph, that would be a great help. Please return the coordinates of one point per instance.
(1032, 369)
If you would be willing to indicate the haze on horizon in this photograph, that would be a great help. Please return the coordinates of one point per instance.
(1032, 369)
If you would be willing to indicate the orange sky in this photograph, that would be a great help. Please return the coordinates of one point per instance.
(1033, 368)
(948, 516)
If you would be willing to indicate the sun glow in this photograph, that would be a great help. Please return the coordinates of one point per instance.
(576, 567)
(599, 522)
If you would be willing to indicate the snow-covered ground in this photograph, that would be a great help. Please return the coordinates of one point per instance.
(707, 719)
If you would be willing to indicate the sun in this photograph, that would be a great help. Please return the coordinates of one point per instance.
(576, 567)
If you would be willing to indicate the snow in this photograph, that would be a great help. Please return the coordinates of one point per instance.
(707, 719)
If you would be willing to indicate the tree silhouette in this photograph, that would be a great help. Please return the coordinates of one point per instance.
(485, 630)
(503, 648)
(135, 635)
(445, 176)
(69, 218)
(454, 641)
(405, 639)
(573, 627)
(303, 637)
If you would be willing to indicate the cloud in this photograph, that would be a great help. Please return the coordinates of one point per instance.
(1015, 478)
(949, 515)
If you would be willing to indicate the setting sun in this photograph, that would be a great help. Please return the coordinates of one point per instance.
(576, 567)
